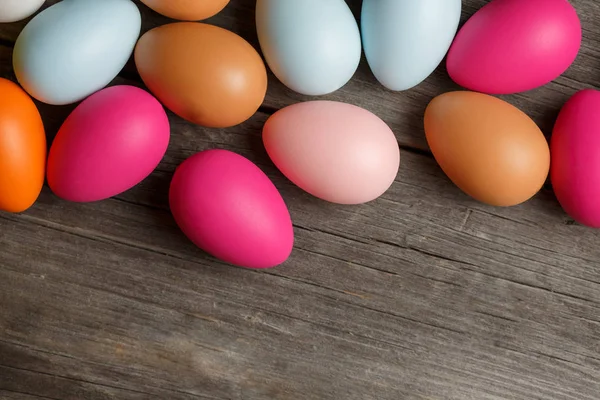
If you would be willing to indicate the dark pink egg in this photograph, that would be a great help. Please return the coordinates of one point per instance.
(111, 142)
(512, 46)
(229, 208)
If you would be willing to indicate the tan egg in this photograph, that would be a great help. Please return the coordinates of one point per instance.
(187, 10)
(490, 149)
(205, 74)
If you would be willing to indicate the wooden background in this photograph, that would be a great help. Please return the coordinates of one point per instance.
(422, 294)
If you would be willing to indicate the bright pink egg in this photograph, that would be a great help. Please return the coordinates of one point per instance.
(111, 142)
(512, 46)
(229, 208)
(575, 151)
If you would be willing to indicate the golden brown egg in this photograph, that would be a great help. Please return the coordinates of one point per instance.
(187, 10)
(490, 149)
(203, 73)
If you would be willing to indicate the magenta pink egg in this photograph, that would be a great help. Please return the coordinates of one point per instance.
(338, 152)
(229, 208)
(111, 142)
(512, 46)
(575, 151)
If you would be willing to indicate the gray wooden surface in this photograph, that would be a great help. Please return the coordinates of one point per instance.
(422, 294)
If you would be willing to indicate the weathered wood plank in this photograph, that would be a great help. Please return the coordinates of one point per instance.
(200, 305)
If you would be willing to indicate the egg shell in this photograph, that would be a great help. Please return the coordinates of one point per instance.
(490, 149)
(205, 74)
(575, 149)
(512, 46)
(405, 41)
(229, 208)
(111, 142)
(312, 46)
(16, 10)
(22, 149)
(75, 48)
(338, 152)
(187, 10)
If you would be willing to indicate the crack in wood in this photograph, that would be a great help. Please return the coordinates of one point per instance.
(104, 385)
(2, 365)
(37, 396)
(468, 214)
(489, 314)
(540, 354)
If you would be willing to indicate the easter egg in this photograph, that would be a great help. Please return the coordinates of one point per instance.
(22, 149)
(205, 74)
(312, 46)
(575, 149)
(111, 142)
(490, 149)
(405, 41)
(187, 10)
(75, 48)
(338, 152)
(16, 10)
(512, 46)
(229, 208)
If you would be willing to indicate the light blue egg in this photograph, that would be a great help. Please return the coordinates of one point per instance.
(75, 48)
(312, 46)
(406, 40)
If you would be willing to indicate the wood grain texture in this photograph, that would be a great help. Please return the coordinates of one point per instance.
(421, 294)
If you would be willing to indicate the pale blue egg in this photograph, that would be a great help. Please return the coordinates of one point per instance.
(75, 48)
(406, 40)
(312, 46)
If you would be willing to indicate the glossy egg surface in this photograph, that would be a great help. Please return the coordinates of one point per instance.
(22, 149)
(75, 48)
(575, 148)
(338, 152)
(229, 208)
(205, 74)
(312, 46)
(187, 10)
(111, 142)
(490, 149)
(406, 40)
(16, 10)
(512, 46)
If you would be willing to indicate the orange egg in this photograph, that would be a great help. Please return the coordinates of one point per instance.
(490, 149)
(22, 149)
(203, 73)
(187, 10)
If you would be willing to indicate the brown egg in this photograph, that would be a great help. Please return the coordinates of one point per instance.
(490, 149)
(205, 74)
(187, 10)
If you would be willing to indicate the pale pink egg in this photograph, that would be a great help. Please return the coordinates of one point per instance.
(229, 208)
(575, 150)
(338, 152)
(111, 142)
(512, 46)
